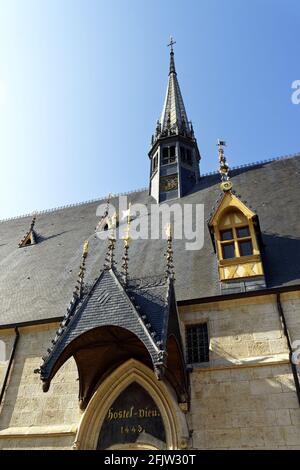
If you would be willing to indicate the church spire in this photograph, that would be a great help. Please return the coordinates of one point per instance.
(173, 118)
(174, 152)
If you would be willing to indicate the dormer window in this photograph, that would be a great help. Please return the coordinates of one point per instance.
(106, 223)
(234, 229)
(168, 155)
(30, 238)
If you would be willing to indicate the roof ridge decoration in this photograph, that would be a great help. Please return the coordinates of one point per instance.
(30, 238)
(126, 243)
(110, 253)
(170, 274)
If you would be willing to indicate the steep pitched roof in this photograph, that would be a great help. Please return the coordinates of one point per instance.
(29, 277)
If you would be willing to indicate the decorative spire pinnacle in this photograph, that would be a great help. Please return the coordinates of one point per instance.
(110, 255)
(173, 120)
(80, 281)
(226, 184)
(169, 254)
(127, 241)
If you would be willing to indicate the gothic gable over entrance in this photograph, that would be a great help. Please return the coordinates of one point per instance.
(113, 323)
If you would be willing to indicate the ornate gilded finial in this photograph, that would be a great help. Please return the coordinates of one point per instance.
(169, 253)
(80, 281)
(110, 255)
(127, 241)
(85, 249)
(226, 184)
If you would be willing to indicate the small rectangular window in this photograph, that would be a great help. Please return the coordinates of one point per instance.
(197, 343)
(154, 163)
(246, 248)
(169, 155)
(165, 155)
(226, 234)
(189, 156)
(243, 232)
(228, 250)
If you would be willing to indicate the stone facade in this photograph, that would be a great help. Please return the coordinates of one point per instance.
(30, 418)
(244, 398)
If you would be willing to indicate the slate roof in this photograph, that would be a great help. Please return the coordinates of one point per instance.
(36, 282)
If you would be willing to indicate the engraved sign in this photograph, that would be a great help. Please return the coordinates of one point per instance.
(133, 418)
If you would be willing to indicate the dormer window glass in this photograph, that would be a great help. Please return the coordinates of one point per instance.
(235, 241)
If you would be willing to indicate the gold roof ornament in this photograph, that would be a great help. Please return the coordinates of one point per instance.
(169, 253)
(126, 239)
(110, 254)
(85, 249)
(226, 184)
(80, 281)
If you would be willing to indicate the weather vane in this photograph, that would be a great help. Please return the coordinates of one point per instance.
(172, 42)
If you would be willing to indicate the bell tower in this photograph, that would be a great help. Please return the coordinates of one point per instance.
(174, 155)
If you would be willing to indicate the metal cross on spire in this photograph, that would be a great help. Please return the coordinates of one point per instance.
(172, 42)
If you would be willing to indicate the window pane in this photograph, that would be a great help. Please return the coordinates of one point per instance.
(246, 248)
(243, 232)
(182, 153)
(226, 235)
(197, 343)
(172, 151)
(228, 250)
(188, 155)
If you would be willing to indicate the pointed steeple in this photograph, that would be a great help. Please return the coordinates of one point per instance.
(173, 118)
(174, 152)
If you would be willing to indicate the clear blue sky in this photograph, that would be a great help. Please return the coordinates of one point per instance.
(82, 84)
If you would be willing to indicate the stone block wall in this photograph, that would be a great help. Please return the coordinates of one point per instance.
(26, 409)
(245, 396)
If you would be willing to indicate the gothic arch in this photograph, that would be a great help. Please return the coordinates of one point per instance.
(132, 371)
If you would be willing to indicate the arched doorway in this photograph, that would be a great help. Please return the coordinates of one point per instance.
(116, 405)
